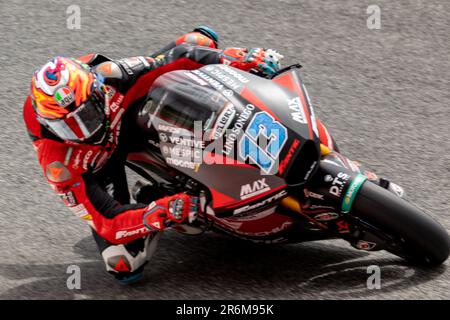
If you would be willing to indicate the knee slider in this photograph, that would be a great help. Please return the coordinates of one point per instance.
(119, 259)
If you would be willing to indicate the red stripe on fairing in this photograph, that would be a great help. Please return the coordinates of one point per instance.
(252, 98)
(324, 136)
(220, 199)
(285, 80)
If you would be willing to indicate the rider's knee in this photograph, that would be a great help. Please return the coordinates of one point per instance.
(126, 262)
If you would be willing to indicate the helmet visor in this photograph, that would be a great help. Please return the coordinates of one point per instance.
(79, 125)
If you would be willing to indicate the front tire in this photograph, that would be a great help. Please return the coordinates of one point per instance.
(418, 237)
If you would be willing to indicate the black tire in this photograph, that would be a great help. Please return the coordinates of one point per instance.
(423, 240)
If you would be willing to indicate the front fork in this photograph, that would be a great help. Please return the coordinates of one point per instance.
(327, 199)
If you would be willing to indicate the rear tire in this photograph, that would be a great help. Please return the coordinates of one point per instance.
(421, 239)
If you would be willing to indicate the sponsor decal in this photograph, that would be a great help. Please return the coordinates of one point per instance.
(310, 194)
(81, 212)
(68, 198)
(298, 113)
(232, 72)
(252, 189)
(179, 152)
(132, 62)
(163, 137)
(234, 133)
(122, 265)
(287, 159)
(154, 143)
(365, 245)
(223, 121)
(170, 129)
(313, 166)
(337, 183)
(262, 142)
(116, 104)
(129, 233)
(210, 80)
(182, 163)
(319, 207)
(343, 226)
(263, 203)
(86, 159)
(226, 79)
(110, 92)
(196, 78)
(326, 216)
(396, 189)
(228, 93)
(126, 67)
(77, 160)
(117, 119)
(57, 172)
(64, 96)
(186, 142)
(370, 175)
(351, 192)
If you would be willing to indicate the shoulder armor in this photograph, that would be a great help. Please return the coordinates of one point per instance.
(109, 69)
(93, 59)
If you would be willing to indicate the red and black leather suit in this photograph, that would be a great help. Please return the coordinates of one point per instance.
(91, 179)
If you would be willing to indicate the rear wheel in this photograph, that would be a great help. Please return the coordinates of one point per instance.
(417, 237)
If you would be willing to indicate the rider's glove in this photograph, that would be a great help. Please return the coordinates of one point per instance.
(259, 60)
(167, 211)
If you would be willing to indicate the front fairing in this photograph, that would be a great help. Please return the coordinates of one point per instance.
(243, 137)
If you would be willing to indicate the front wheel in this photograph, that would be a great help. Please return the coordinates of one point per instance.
(417, 237)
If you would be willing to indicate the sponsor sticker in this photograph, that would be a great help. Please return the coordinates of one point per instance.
(68, 198)
(253, 189)
(326, 216)
(287, 159)
(57, 172)
(64, 96)
(261, 203)
(129, 233)
(223, 121)
(235, 132)
(352, 191)
(337, 183)
(298, 111)
(365, 245)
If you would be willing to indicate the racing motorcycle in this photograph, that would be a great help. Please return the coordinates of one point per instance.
(266, 169)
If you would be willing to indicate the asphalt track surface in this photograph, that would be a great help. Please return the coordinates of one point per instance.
(384, 94)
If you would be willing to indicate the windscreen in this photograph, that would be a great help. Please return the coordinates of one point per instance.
(181, 104)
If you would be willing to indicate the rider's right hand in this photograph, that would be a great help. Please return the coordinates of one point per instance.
(167, 211)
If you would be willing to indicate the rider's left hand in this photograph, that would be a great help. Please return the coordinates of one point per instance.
(260, 60)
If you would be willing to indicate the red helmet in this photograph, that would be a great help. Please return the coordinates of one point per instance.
(69, 100)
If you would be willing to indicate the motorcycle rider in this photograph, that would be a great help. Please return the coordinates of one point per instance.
(79, 116)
